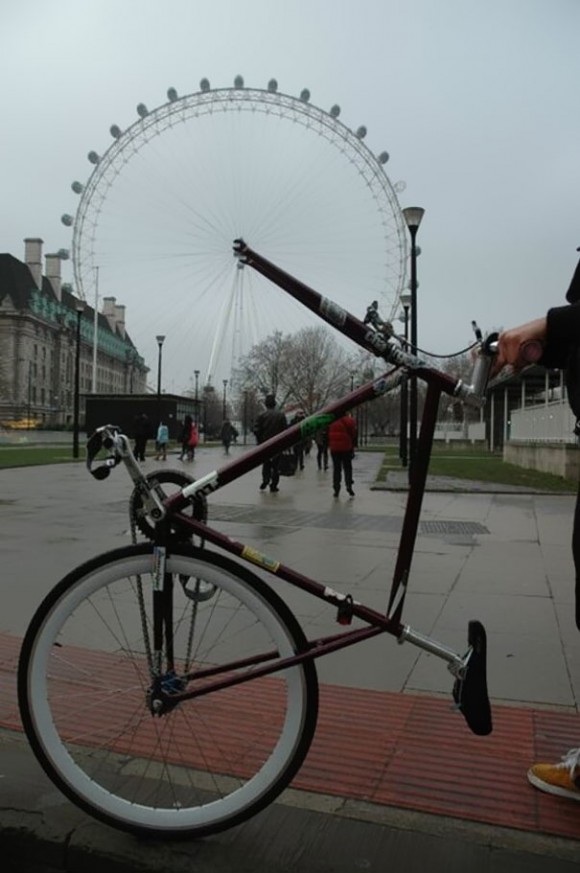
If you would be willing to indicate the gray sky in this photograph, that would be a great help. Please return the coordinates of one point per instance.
(476, 103)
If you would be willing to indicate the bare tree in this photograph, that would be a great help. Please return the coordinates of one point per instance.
(263, 367)
(316, 369)
(307, 368)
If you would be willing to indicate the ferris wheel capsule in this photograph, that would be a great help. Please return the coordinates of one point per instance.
(142, 110)
(93, 158)
(172, 95)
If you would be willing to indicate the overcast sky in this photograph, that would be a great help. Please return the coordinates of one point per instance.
(476, 103)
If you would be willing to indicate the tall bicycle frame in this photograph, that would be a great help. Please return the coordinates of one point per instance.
(195, 645)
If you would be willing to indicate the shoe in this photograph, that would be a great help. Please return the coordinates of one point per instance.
(350, 492)
(562, 779)
(336, 493)
(263, 486)
(274, 489)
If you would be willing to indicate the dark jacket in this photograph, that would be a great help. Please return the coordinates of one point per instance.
(268, 424)
(562, 350)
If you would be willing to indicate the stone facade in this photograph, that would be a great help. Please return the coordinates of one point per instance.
(39, 320)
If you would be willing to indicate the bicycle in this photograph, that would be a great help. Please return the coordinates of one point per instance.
(166, 688)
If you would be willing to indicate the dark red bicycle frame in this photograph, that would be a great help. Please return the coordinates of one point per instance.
(437, 383)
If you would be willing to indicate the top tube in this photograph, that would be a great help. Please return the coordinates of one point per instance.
(379, 341)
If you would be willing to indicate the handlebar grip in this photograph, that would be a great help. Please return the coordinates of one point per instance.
(531, 351)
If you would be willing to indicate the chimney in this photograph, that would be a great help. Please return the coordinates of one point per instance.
(109, 310)
(53, 273)
(33, 258)
(120, 319)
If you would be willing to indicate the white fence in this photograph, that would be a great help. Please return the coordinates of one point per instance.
(547, 423)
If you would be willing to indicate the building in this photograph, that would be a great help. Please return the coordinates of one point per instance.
(40, 318)
(123, 409)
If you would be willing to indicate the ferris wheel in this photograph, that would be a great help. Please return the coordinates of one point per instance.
(158, 214)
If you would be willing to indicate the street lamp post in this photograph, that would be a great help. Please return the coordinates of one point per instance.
(160, 341)
(245, 415)
(196, 374)
(80, 309)
(405, 299)
(413, 216)
(224, 400)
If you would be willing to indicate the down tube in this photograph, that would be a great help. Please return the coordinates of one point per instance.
(289, 437)
(419, 468)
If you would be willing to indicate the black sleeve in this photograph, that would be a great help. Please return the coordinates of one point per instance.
(563, 332)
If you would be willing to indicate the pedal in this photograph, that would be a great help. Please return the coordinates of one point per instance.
(470, 690)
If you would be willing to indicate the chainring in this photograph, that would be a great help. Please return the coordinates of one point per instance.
(196, 509)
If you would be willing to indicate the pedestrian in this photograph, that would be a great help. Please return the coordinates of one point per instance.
(559, 333)
(269, 423)
(300, 446)
(342, 442)
(189, 439)
(321, 438)
(162, 440)
(141, 433)
(228, 435)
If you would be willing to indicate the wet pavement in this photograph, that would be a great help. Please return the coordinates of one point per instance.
(503, 558)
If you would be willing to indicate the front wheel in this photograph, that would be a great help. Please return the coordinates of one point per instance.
(85, 678)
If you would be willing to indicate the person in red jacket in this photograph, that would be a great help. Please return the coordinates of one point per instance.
(341, 443)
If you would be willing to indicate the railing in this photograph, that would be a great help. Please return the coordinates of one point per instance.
(551, 422)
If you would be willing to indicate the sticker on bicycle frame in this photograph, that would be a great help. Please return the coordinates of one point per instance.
(384, 385)
(332, 311)
(159, 556)
(257, 557)
(315, 422)
(376, 340)
(205, 485)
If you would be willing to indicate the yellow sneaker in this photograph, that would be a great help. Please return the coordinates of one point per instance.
(562, 779)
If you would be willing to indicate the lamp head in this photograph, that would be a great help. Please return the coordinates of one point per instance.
(413, 216)
(160, 340)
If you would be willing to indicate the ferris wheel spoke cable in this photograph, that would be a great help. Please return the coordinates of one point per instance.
(225, 317)
(166, 200)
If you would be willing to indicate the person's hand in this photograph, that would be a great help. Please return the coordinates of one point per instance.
(511, 342)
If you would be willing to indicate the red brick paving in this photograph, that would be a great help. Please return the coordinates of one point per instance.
(412, 751)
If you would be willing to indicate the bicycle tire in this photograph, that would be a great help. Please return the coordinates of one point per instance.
(209, 763)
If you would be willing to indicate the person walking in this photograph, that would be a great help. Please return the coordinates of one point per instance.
(298, 447)
(141, 435)
(321, 438)
(269, 423)
(341, 442)
(559, 333)
(228, 435)
(161, 441)
(189, 439)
